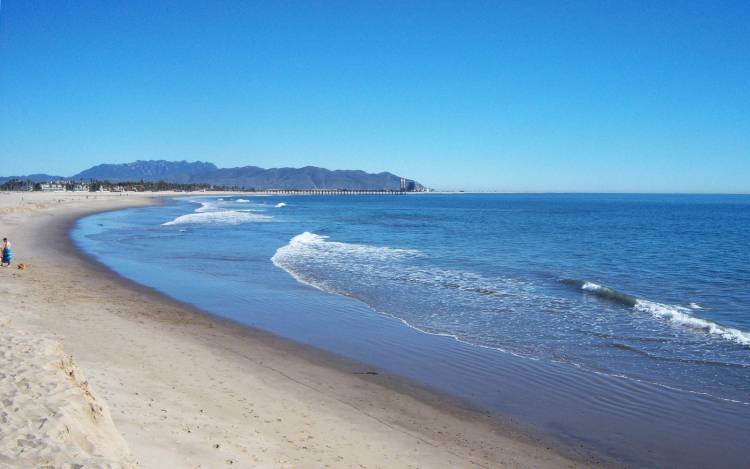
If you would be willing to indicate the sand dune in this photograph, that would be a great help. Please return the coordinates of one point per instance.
(49, 414)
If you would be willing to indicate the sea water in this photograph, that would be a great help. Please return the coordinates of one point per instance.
(621, 322)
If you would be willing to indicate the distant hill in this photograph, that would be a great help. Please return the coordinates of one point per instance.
(247, 177)
(31, 177)
(160, 170)
(309, 177)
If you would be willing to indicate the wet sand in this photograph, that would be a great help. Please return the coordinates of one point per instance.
(186, 389)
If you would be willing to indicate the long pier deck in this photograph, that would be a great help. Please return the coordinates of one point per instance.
(329, 192)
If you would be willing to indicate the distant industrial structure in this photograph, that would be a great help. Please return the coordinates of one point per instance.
(408, 185)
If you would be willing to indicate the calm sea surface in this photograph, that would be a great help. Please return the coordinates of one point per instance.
(621, 322)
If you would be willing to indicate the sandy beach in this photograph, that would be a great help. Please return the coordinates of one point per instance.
(99, 371)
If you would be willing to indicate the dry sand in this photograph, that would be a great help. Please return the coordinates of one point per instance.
(186, 389)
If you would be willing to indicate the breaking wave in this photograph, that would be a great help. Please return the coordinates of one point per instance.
(396, 282)
(675, 314)
(313, 246)
(206, 207)
(227, 217)
(281, 204)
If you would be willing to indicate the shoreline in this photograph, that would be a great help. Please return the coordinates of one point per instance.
(399, 416)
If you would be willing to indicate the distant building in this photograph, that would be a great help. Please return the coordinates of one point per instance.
(62, 186)
(57, 186)
(407, 185)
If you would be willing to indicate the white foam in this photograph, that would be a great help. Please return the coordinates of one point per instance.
(227, 217)
(350, 269)
(591, 286)
(357, 259)
(681, 316)
(242, 201)
(315, 260)
(281, 204)
(311, 244)
(205, 207)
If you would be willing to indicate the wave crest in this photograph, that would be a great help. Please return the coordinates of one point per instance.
(311, 244)
(228, 217)
(675, 314)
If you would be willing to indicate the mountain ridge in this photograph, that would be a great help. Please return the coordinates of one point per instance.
(31, 177)
(147, 170)
(246, 177)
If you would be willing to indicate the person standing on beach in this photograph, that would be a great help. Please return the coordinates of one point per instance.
(7, 253)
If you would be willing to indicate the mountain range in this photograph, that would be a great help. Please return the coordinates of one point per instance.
(246, 177)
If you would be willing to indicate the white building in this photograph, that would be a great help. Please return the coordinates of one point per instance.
(58, 186)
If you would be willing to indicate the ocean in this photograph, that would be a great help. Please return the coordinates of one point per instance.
(617, 322)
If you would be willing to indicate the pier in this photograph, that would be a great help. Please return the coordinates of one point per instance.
(329, 192)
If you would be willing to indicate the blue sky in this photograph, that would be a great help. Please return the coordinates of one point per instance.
(512, 96)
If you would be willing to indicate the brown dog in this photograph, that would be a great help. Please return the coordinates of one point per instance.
(21, 266)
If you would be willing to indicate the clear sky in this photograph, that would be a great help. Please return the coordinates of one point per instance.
(514, 96)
